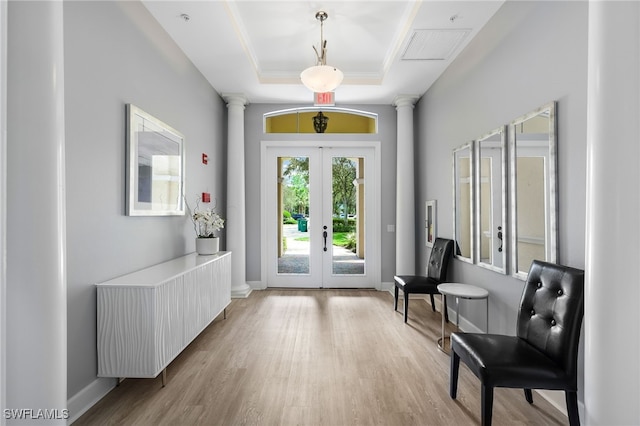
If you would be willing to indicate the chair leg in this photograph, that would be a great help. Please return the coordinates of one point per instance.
(453, 374)
(406, 305)
(572, 407)
(528, 396)
(395, 298)
(433, 303)
(487, 404)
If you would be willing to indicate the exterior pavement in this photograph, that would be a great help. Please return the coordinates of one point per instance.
(296, 258)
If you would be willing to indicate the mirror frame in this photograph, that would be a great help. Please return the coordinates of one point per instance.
(502, 131)
(137, 119)
(551, 174)
(430, 222)
(467, 146)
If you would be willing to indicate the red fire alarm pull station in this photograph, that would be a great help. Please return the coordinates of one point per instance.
(206, 197)
(205, 158)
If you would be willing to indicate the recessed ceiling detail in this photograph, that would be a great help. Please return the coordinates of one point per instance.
(383, 47)
(433, 45)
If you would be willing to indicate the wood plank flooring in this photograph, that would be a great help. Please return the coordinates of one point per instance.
(314, 357)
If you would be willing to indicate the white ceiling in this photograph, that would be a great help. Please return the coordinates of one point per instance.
(258, 48)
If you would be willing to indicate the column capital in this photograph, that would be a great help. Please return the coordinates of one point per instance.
(405, 100)
(235, 99)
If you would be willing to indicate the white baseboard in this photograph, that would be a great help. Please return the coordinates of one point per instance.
(464, 324)
(79, 403)
(257, 285)
(388, 286)
(555, 398)
(241, 294)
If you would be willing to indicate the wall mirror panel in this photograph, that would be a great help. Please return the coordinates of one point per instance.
(491, 197)
(463, 202)
(533, 189)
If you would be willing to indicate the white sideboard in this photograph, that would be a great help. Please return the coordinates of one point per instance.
(146, 318)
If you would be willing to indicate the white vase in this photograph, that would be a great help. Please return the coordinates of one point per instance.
(207, 246)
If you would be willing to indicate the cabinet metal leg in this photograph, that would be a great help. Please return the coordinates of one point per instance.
(164, 377)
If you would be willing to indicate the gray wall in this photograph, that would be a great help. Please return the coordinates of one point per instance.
(530, 53)
(254, 134)
(116, 53)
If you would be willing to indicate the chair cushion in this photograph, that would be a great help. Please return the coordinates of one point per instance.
(417, 284)
(508, 361)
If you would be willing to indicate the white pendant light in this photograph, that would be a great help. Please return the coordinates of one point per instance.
(321, 78)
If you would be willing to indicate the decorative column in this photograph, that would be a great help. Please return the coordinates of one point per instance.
(611, 336)
(405, 188)
(36, 287)
(236, 217)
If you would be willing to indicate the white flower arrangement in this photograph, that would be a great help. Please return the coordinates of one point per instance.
(206, 222)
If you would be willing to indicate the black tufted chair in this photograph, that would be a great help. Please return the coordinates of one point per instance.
(436, 274)
(544, 353)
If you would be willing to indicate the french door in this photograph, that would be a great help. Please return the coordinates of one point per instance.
(320, 217)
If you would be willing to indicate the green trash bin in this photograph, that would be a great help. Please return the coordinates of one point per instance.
(302, 224)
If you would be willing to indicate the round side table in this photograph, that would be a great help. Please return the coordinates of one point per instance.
(460, 291)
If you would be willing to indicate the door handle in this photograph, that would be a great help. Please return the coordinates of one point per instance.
(500, 238)
(324, 235)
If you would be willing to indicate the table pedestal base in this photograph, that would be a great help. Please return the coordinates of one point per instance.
(459, 291)
(444, 344)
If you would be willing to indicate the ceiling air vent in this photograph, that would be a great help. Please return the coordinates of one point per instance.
(433, 45)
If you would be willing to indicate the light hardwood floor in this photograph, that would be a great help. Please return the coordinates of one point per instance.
(314, 357)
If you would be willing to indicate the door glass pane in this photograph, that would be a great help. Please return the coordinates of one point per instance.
(293, 216)
(347, 185)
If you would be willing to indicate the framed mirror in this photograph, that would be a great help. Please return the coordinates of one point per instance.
(430, 223)
(533, 196)
(463, 202)
(491, 200)
(155, 166)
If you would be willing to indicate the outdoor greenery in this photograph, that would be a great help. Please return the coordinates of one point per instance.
(344, 192)
(340, 225)
(295, 195)
(345, 239)
(351, 241)
(295, 191)
(287, 219)
(342, 239)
